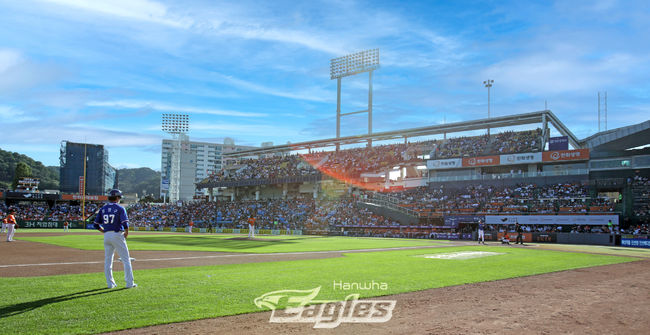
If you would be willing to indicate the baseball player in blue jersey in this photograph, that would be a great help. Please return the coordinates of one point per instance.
(114, 223)
(481, 232)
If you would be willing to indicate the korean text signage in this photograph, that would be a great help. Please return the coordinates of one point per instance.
(511, 159)
(441, 164)
(635, 241)
(565, 155)
(558, 143)
(527, 158)
(481, 161)
(47, 224)
(32, 196)
(600, 220)
(88, 197)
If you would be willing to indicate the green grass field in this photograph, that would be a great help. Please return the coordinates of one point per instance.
(229, 243)
(80, 304)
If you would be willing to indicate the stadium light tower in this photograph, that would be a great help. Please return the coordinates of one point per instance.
(349, 65)
(177, 125)
(488, 83)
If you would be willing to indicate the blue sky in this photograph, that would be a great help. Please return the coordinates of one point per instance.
(104, 71)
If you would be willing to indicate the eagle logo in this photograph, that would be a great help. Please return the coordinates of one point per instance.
(293, 298)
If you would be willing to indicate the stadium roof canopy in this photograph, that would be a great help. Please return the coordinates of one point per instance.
(633, 136)
(494, 122)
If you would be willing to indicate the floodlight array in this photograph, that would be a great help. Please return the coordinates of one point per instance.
(355, 63)
(175, 123)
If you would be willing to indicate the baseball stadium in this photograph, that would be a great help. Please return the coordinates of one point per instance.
(495, 224)
(391, 222)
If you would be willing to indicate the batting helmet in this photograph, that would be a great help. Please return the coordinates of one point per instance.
(115, 193)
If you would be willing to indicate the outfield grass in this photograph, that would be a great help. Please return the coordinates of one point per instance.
(79, 304)
(230, 243)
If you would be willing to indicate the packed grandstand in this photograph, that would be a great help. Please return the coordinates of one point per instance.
(350, 192)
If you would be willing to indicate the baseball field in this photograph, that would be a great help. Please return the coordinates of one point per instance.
(53, 283)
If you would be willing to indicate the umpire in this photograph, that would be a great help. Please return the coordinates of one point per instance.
(520, 231)
(114, 223)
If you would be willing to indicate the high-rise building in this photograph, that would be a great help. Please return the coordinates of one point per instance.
(100, 176)
(198, 161)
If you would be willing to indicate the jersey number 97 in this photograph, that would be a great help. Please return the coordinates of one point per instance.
(109, 218)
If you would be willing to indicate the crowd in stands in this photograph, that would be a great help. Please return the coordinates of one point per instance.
(516, 142)
(351, 163)
(300, 213)
(522, 198)
(267, 168)
(42, 212)
(641, 188)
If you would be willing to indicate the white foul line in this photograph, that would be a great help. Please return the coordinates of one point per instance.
(220, 256)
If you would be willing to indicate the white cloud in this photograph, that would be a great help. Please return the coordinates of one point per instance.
(18, 73)
(141, 10)
(136, 104)
(10, 114)
(313, 94)
(543, 73)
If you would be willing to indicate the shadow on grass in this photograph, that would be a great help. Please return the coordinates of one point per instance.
(23, 307)
(209, 243)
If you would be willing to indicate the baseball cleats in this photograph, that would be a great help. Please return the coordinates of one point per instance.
(132, 286)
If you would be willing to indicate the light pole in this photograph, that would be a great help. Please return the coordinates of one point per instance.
(488, 83)
(364, 61)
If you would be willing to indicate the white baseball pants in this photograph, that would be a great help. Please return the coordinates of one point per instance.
(10, 232)
(115, 241)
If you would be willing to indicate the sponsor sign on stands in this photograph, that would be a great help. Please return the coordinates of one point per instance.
(88, 197)
(600, 220)
(440, 164)
(481, 161)
(565, 155)
(527, 158)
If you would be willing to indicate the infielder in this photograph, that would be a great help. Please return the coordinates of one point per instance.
(114, 223)
(11, 225)
(65, 226)
(251, 227)
(481, 232)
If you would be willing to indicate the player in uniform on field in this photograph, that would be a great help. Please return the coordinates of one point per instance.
(481, 232)
(4, 225)
(520, 235)
(114, 223)
(11, 225)
(251, 227)
(191, 225)
(65, 225)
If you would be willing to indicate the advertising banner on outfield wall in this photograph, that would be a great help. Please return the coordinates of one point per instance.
(635, 241)
(441, 164)
(48, 224)
(527, 158)
(597, 220)
(565, 155)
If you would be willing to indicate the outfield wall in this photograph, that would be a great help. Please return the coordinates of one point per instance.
(49, 224)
